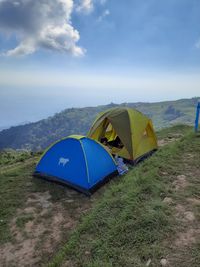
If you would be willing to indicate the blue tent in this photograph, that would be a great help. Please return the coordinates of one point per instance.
(77, 161)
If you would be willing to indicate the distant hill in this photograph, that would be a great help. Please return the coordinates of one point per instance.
(38, 135)
(4, 127)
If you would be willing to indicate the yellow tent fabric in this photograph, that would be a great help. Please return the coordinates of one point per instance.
(134, 129)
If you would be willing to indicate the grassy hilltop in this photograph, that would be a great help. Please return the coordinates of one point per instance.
(39, 135)
(150, 214)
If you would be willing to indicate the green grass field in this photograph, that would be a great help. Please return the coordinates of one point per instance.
(131, 223)
(150, 214)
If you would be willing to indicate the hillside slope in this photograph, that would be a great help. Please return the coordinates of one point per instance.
(149, 214)
(149, 217)
(39, 135)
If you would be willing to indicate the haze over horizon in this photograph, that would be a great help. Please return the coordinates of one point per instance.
(56, 54)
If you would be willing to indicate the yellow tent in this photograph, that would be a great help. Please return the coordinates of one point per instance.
(133, 129)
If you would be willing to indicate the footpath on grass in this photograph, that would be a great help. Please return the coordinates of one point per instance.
(149, 217)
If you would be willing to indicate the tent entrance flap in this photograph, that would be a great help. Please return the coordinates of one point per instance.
(110, 132)
(113, 141)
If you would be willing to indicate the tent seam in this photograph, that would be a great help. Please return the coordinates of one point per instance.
(86, 163)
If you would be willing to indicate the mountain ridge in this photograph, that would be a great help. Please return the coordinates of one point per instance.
(38, 135)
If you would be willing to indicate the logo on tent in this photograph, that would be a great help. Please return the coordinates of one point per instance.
(63, 161)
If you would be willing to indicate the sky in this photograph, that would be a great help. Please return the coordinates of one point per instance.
(56, 54)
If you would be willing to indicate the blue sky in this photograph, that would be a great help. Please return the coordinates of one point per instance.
(56, 54)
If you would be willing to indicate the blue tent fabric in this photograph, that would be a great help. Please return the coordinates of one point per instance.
(197, 117)
(80, 162)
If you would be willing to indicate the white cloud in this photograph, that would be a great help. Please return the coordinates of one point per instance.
(42, 24)
(102, 2)
(197, 45)
(103, 15)
(85, 6)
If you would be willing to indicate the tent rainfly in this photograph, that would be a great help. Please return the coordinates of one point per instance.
(78, 161)
(133, 129)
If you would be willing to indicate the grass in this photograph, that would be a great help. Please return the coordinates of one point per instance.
(173, 131)
(129, 224)
(13, 187)
(23, 219)
(16, 185)
(11, 156)
(16, 182)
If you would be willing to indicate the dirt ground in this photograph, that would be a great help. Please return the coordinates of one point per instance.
(39, 228)
(169, 139)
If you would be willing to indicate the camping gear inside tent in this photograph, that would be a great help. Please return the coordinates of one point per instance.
(121, 166)
(197, 117)
(77, 161)
(127, 132)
